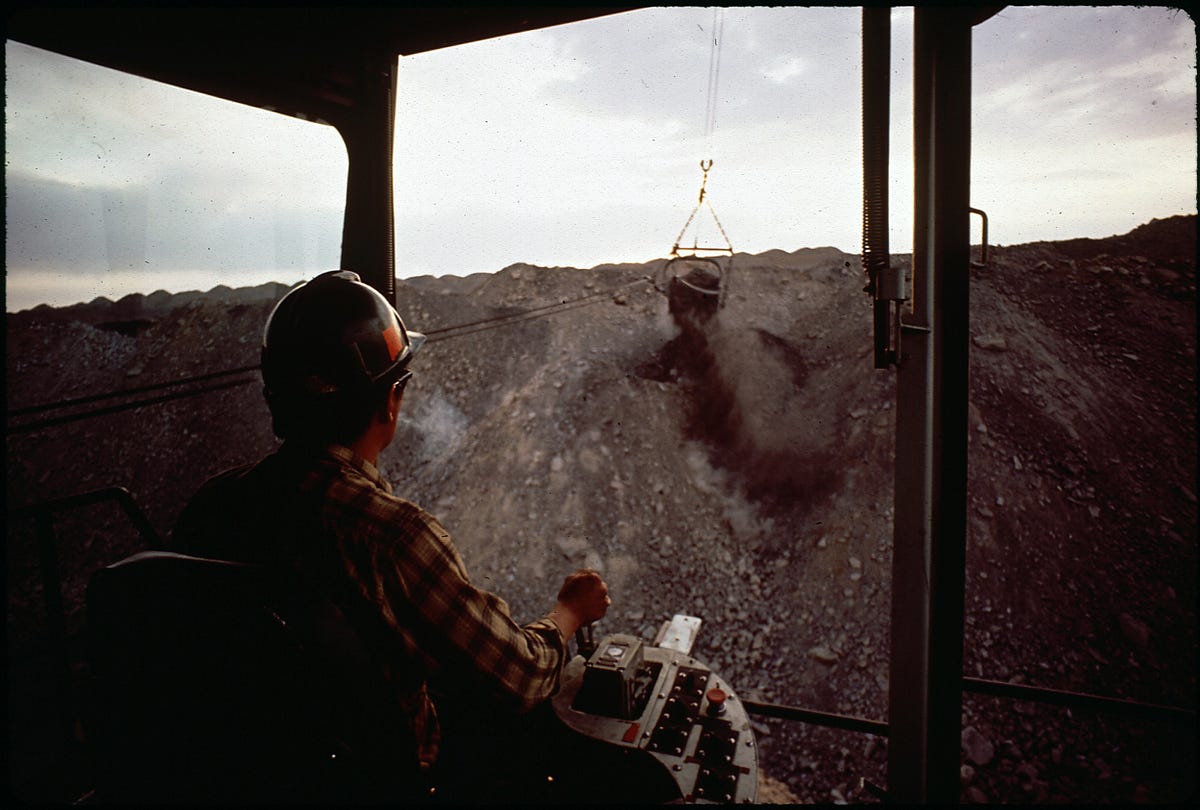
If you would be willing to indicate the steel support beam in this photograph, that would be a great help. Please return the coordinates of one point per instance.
(925, 696)
(368, 129)
(886, 282)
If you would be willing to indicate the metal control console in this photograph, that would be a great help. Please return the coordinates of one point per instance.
(669, 705)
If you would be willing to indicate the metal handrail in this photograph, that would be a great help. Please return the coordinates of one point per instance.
(140, 389)
(800, 715)
(44, 511)
(119, 494)
(125, 406)
(983, 240)
(56, 618)
(981, 686)
(1079, 700)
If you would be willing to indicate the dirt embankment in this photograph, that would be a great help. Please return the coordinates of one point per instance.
(741, 473)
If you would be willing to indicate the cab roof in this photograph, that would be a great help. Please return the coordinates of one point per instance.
(308, 62)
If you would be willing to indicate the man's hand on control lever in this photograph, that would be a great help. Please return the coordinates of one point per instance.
(582, 600)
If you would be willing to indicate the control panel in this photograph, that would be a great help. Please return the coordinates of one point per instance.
(664, 702)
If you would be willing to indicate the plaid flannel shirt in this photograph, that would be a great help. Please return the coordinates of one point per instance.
(396, 556)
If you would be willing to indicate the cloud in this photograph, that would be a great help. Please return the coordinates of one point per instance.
(1083, 116)
(96, 229)
(580, 144)
(617, 126)
(785, 69)
(1129, 72)
(111, 177)
(52, 224)
(78, 123)
(660, 73)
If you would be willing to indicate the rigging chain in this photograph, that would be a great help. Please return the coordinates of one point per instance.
(705, 165)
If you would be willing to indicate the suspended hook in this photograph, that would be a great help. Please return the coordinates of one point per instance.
(705, 165)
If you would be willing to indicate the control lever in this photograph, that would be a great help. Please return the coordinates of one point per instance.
(584, 640)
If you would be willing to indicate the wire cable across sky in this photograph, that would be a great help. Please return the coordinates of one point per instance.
(433, 335)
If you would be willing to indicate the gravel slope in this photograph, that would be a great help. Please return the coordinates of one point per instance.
(743, 476)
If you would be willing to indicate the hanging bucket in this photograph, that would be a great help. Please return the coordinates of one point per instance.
(696, 285)
(695, 282)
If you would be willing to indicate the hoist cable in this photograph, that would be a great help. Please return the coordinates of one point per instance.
(717, 39)
(124, 406)
(463, 329)
(526, 314)
(714, 75)
(434, 335)
(141, 389)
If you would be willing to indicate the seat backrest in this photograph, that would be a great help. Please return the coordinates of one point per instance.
(215, 681)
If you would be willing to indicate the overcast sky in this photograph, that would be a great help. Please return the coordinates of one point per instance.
(581, 144)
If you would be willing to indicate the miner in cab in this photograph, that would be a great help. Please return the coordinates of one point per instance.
(373, 668)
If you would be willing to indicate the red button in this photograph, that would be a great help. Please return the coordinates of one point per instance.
(716, 700)
(631, 733)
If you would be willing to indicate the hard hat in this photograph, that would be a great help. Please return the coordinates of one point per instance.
(334, 334)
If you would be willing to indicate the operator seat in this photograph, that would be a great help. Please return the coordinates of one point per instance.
(215, 681)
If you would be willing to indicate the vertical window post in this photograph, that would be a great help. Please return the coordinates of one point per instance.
(929, 552)
(368, 231)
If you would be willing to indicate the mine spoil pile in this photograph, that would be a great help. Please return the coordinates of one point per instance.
(742, 474)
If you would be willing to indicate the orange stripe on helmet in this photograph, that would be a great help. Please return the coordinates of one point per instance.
(394, 340)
